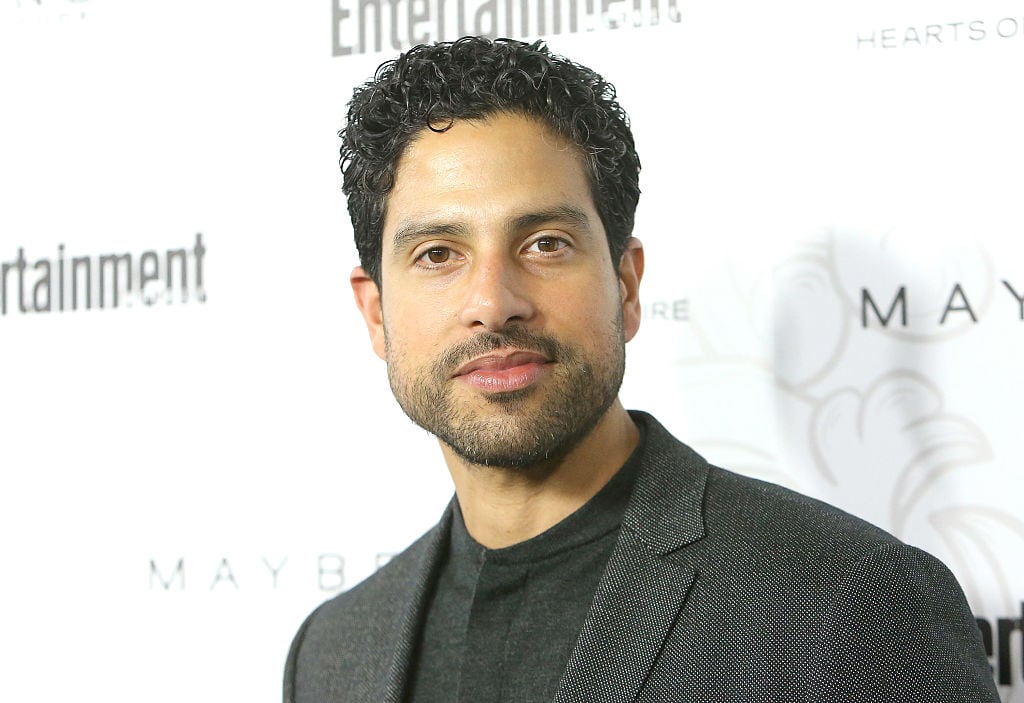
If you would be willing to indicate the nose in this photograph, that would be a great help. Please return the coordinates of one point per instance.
(496, 295)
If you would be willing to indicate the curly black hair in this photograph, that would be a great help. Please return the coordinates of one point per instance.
(429, 87)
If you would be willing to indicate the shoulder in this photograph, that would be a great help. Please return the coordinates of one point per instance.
(758, 542)
(862, 615)
(784, 520)
(830, 556)
(786, 537)
(728, 513)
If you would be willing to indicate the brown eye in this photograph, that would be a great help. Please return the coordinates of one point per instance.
(438, 255)
(548, 245)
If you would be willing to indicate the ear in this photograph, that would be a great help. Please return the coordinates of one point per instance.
(367, 296)
(631, 270)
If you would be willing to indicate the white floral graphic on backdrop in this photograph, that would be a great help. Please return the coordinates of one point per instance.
(860, 417)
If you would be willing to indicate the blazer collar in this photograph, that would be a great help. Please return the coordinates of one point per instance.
(644, 586)
(666, 510)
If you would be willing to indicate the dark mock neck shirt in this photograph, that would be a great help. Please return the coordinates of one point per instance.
(501, 623)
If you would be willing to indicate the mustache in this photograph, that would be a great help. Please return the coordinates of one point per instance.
(484, 342)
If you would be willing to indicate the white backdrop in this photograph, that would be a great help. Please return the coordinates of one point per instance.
(185, 475)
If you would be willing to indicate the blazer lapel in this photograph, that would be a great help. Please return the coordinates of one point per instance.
(639, 598)
(392, 686)
(644, 586)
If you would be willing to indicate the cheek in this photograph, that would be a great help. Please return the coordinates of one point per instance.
(602, 306)
(414, 330)
(587, 327)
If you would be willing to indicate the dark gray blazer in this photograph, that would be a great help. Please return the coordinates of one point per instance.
(720, 588)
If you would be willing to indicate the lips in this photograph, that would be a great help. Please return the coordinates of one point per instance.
(503, 370)
(501, 362)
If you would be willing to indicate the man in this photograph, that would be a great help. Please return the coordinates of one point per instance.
(588, 555)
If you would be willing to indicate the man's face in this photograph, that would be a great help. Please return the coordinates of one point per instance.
(501, 317)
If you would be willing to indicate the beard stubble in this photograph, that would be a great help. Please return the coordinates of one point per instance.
(518, 429)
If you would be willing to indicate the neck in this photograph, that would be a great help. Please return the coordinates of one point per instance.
(504, 506)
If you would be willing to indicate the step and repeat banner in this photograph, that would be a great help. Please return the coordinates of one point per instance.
(198, 445)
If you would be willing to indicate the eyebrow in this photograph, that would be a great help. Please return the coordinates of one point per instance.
(566, 214)
(410, 232)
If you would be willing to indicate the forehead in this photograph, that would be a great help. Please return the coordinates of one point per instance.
(487, 168)
(514, 133)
